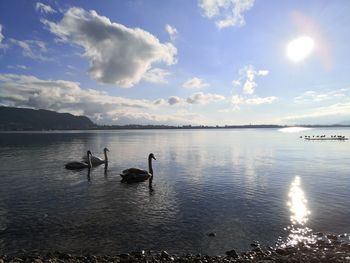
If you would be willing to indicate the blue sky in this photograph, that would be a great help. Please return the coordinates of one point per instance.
(211, 62)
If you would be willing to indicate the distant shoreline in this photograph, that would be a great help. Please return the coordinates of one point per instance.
(184, 127)
(24, 119)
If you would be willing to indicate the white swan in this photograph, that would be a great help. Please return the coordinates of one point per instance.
(97, 160)
(80, 165)
(134, 175)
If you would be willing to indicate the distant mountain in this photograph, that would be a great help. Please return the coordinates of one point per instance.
(12, 119)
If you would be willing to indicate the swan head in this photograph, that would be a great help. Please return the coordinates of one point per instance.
(89, 152)
(106, 149)
(151, 156)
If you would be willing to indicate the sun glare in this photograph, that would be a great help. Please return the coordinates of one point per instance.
(299, 48)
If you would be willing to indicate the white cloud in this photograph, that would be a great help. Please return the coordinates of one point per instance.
(321, 96)
(263, 72)
(247, 81)
(18, 67)
(247, 76)
(33, 49)
(195, 83)
(259, 100)
(40, 7)
(226, 12)
(236, 83)
(237, 100)
(249, 87)
(202, 98)
(117, 54)
(156, 75)
(2, 45)
(240, 100)
(172, 31)
(196, 98)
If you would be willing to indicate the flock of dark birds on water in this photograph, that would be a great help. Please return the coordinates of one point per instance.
(323, 137)
(131, 175)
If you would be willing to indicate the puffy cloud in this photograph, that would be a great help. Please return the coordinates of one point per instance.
(195, 83)
(226, 12)
(247, 76)
(117, 54)
(201, 98)
(247, 81)
(33, 49)
(156, 75)
(174, 100)
(249, 87)
(196, 98)
(40, 7)
(172, 31)
(63, 96)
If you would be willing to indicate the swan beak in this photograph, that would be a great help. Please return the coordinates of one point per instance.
(154, 158)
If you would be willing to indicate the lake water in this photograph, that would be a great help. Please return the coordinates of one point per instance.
(242, 184)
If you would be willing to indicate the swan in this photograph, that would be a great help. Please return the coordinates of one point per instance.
(79, 165)
(97, 160)
(133, 175)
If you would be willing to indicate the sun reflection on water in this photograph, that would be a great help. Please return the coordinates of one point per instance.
(297, 203)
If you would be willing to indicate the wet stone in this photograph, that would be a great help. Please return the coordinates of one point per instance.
(124, 255)
(332, 237)
(165, 255)
(319, 234)
(232, 253)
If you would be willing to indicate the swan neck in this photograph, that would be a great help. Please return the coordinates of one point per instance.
(106, 158)
(89, 161)
(150, 165)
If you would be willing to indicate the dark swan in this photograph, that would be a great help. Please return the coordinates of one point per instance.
(134, 175)
(80, 165)
(97, 160)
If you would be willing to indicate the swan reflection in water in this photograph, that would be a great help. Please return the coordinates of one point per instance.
(297, 203)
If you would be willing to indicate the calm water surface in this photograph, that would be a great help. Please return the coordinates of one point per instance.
(244, 185)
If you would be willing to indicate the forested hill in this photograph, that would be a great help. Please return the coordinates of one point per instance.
(12, 119)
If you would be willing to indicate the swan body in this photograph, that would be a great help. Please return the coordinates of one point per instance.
(80, 165)
(97, 160)
(134, 175)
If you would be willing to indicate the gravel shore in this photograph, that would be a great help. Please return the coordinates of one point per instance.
(324, 248)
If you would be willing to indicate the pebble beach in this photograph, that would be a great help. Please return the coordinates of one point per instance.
(323, 248)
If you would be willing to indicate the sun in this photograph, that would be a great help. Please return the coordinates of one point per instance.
(299, 48)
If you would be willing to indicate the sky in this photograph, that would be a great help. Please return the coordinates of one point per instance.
(179, 62)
